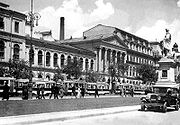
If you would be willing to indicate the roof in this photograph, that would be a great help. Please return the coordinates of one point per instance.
(166, 59)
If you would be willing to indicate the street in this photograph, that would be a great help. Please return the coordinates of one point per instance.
(126, 118)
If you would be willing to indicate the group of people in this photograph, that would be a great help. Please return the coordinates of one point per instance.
(57, 91)
(123, 92)
(80, 92)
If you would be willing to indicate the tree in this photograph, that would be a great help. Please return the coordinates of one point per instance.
(72, 69)
(178, 78)
(121, 69)
(147, 73)
(112, 71)
(92, 76)
(19, 69)
(58, 75)
(3, 71)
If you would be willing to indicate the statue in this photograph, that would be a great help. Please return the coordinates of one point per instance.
(165, 44)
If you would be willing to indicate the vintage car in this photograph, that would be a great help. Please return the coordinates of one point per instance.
(163, 97)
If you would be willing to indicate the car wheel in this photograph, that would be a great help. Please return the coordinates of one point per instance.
(164, 108)
(177, 107)
(143, 107)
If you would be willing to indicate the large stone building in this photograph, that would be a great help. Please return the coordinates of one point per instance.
(113, 45)
(99, 47)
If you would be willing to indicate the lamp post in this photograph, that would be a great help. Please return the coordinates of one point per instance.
(31, 17)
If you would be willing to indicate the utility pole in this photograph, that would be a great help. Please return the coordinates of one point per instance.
(32, 17)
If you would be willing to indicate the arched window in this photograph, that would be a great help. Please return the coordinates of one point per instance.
(75, 59)
(55, 59)
(40, 57)
(68, 59)
(47, 59)
(39, 75)
(62, 60)
(81, 63)
(92, 64)
(16, 52)
(48, 77)
(31, 57)
(2, 46)
(86, 64)
(130, 71)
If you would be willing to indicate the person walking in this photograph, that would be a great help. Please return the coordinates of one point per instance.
(83, 92)
(61, 91)
(132, 92)
(124, 90)
(56, 92)
(38, 96)
(52, 91)
(74, 91)
(6, 91)
(42, 92)
(96, 92)
(78, 92)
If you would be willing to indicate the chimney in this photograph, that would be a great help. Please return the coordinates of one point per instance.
(61, 37)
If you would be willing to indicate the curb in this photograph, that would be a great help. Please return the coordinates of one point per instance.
(62, 116)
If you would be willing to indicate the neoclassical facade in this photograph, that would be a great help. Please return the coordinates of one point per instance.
(113, 45)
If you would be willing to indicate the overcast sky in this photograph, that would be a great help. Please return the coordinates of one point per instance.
(145, 18)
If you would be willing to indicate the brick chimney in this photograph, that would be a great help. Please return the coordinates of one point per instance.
(61, 37)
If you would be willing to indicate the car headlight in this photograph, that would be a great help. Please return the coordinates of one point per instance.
(159, 98)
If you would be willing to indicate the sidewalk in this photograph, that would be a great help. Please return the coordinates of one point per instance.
(61, 116)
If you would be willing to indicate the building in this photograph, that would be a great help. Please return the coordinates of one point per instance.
(99, 47)
(113, 45)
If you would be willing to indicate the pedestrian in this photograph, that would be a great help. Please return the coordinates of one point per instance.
(56, 92)
(78, 92)
(38, 96)
(42, 92)
(61, 91)
(132, 91)
(124, 90)
(52, 91)
(25, 92)
(6, 91)
(120, 91)
(74, 91)
(96, 92)
(83, 91)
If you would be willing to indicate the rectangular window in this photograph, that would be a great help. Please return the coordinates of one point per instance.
(1, 23)
(16, 27)
(164, 73)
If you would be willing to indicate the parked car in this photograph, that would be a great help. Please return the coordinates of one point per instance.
(164, 96)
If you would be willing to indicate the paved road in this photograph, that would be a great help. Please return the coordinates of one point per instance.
(125, 118)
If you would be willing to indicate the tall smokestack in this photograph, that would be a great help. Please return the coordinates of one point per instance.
(61, 28)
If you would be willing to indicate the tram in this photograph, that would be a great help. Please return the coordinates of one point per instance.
(11, 84)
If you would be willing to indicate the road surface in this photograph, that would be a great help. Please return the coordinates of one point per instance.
(125, 118)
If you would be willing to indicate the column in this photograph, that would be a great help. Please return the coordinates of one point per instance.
(105, 60)
(97, 58)
(100, 61)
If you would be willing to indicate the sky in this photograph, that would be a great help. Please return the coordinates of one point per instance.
(147, 19)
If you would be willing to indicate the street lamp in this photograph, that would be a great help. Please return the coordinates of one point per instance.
(31, 18)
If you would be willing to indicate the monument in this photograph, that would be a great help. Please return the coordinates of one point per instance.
(168, 66)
